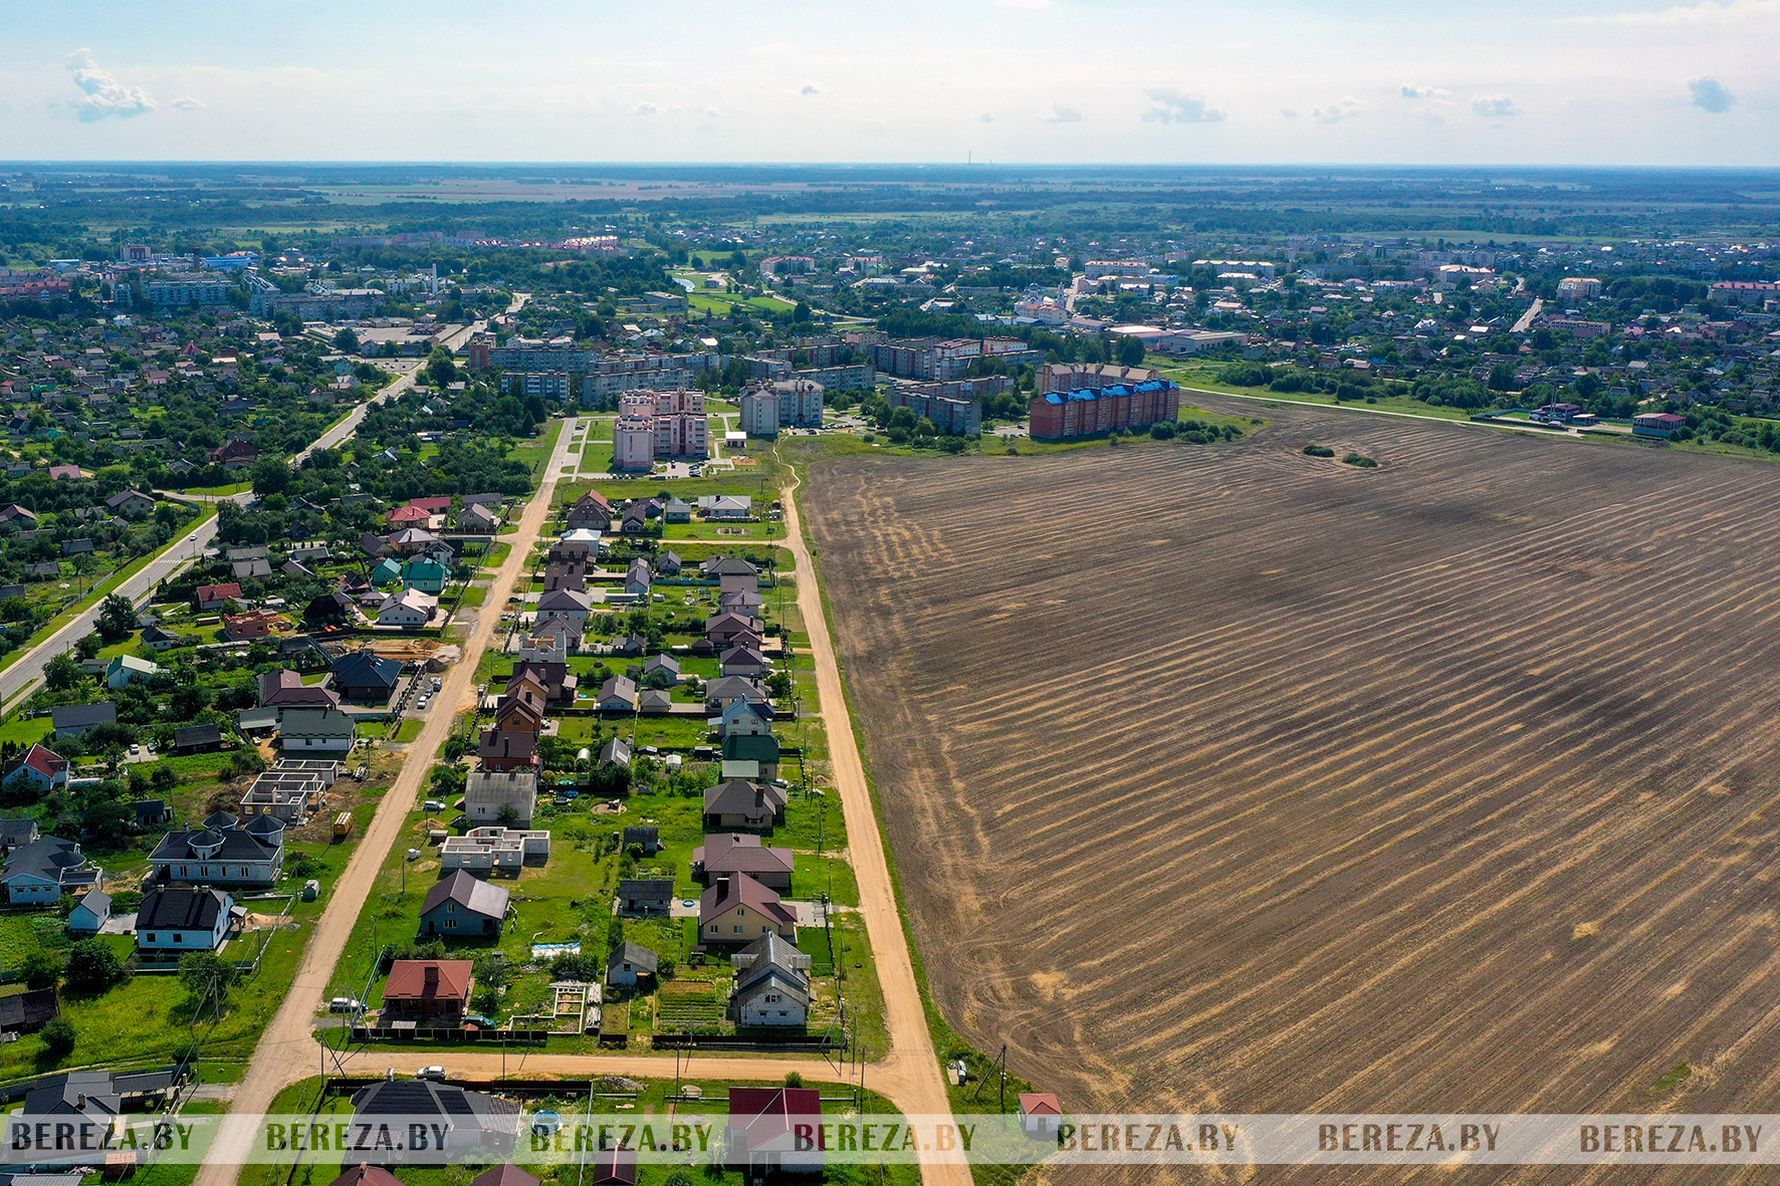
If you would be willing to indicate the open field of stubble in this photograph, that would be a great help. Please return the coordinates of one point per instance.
(1234, 778)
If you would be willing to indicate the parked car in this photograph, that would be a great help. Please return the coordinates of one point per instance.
(344, 1005)
(435, 1072)
(433, 805)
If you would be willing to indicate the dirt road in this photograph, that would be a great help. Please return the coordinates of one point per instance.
(909, 1075)
(288, 1050)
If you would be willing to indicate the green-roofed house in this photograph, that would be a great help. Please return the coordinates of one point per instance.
(426, 574)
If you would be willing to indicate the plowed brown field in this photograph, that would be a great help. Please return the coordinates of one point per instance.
(1230, 777)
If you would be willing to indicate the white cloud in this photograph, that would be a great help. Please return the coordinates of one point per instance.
(988, 117)
(1063, 115)
(187, 103)
(1346, 107)
(1169, 106)
(1494, 107)
(643, 109)
(809, 88)
(1416, 91)
(1709, 12)
(1709, 94)
(105, 97)
(713, 113)
(1026, 5)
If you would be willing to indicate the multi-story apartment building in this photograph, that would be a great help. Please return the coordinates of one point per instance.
(658, 424)
(1083, 411)
(943, 360)
(954, 408)
(179, 294)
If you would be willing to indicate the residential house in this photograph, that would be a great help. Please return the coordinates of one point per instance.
(426, 574)
(478, 520)
(125, 670)
(641, 896)
(483, 1127)
(464, 906)
(743, 717)
(590, 512)
(362, 677)
(740, 805)
(769, 1132)
(435, 992)
(773, 990)
(408, 610)
(197, 739)
(661, 671)
(617, 694)
(509, 798)
(40, 872)
(553, 675)
(218, 596)
(737, 910)
(731, 629)
(725, 690)
(285, 689)
(500, 750)
(223, 851)
(176, 919)
(572, 604)
(630, 965)
(316, 730)
(751, 756)
(726, 853)
(746, 662)
(40, 768)
(130, 503)
(91, 913)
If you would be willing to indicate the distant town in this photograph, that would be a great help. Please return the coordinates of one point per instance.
(413, 662)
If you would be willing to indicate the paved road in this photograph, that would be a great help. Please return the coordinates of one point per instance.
(1507, 425)
(288, 1051)
(1526, 319)
(24, 673)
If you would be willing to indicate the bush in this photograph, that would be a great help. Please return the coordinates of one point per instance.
(93, 968)
(1359, 461)
(40, 969)
(58, 1039)
(1318, 451)
(1163, 430)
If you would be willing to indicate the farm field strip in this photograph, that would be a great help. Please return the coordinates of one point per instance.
(1437, 785)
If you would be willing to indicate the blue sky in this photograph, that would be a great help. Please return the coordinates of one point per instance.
(1359, 81)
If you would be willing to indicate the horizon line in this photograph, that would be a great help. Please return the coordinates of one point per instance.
(393, 162)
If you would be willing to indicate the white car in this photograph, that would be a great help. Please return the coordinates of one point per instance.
(344, 1005)
(435, 1073)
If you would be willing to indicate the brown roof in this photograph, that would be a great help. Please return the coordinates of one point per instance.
(408, 980)
(367, 1175)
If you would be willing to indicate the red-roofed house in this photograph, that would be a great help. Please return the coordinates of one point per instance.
(42, 767)
(216, 596)
(737, 910)
(775, 1130)
(1040, 1113)
(436, 991)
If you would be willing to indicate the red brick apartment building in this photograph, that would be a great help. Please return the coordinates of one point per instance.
(1083, 401)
